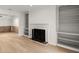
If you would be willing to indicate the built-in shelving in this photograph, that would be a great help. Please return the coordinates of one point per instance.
(26, 31)
(67, 42)
(68, 27)
(68, 47)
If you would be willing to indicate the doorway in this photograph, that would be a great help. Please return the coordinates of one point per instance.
(9, 23)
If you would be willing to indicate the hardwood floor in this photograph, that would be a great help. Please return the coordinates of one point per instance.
(12, 43)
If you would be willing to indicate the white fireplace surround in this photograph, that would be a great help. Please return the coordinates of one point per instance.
(40, 26)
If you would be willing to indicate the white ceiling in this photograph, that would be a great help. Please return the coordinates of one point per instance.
(20, 8)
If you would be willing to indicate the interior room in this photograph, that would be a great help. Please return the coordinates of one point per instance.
(39, 28)
(8, 23)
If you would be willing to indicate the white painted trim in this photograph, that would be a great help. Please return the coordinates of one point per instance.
(68, 33)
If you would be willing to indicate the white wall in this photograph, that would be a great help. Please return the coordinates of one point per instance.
(5, 20)
(44, 15)
(21, 24)
(15, 21)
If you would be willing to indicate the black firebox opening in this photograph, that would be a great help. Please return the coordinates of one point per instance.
(38, 35)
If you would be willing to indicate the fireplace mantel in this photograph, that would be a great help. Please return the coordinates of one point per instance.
(40, 26)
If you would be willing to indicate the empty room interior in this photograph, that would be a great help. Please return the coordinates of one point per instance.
(39, 28)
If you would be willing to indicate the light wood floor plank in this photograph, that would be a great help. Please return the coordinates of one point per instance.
(12, 43)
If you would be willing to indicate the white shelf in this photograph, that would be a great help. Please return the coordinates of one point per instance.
(68, 47)
(26, 28)
(68, 33)
(68, 40)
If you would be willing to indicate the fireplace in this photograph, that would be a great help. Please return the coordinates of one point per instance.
(38, 35)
